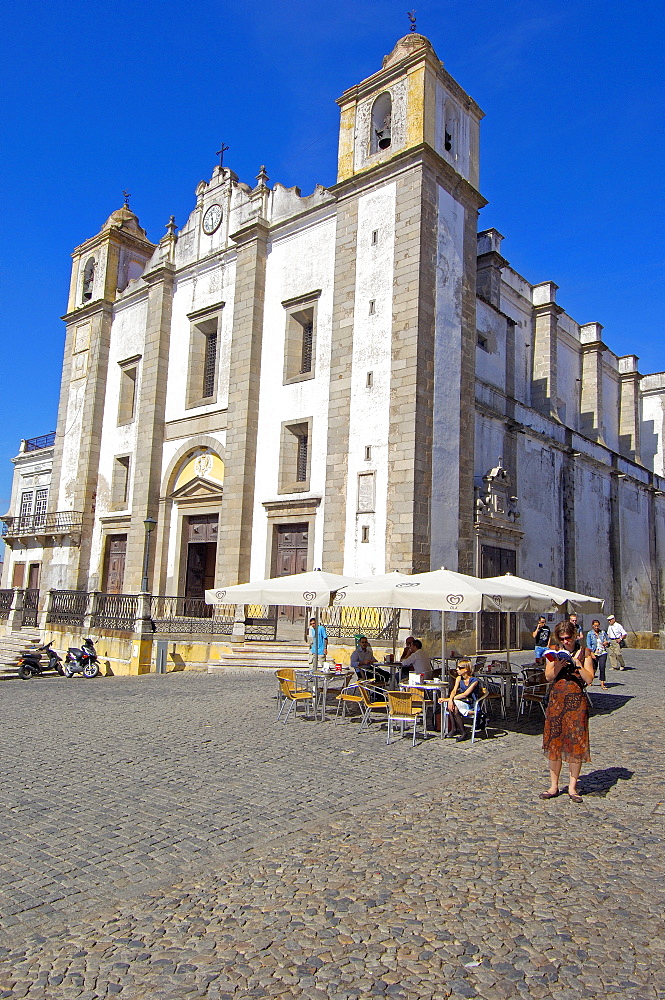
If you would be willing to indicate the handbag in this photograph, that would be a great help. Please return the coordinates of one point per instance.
(622, 643)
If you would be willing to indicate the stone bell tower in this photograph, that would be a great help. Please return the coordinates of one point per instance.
(101, 267)
(409, 138)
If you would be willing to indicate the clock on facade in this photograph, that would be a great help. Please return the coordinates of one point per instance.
(212, 219)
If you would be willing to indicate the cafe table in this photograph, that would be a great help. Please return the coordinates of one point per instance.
(321, 681)
(438, 686)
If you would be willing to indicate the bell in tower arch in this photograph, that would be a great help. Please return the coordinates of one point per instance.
(381, 122)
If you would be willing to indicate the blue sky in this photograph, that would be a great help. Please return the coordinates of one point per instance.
(98, 97)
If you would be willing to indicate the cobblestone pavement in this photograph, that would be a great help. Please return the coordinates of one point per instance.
(163, 837)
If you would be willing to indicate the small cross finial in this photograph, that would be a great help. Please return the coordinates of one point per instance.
(220, 153)
(262, 176)
(126, 195)
(171, 226)
(411, 14)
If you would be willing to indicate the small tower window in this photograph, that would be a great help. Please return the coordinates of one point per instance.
(382, 111)
(368, 452)
(372, 307)
(375, 237)
(88, 280)
(364, 533)
(369, 381)
(450, 129)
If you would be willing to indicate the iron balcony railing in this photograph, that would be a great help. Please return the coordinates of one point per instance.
(191, 615)
(58, 523)
(6, 598)
(45, 441)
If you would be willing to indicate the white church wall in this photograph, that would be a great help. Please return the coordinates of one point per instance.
(491, 347)
(540, 505)
(592, 532)
(370, 412)
(299, 263)
(200, 288)
(636, 582)
(610, 421)
(447, 364)
(652, 430)
(569, 373)
(490, 437)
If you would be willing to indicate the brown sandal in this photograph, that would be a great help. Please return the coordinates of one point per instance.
(549, 795)
(574, 797)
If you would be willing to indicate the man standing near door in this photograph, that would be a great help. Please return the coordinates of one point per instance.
(318, 643)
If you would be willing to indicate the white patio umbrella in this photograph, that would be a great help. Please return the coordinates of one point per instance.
(315, 589)
(563, 601)
(439, 590)
(566, 601)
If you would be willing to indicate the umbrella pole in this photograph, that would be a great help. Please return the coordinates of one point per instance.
(316, 638)
(444, 651)
(508, 639)
(396, 617)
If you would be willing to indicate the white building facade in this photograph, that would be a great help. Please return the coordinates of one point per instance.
(354, 380)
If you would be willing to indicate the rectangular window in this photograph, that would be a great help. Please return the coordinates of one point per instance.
(375, 237)
(368, 452)
(120, 483)
(301, 461)
(295, 457)
(127, 398)
(41, 500)
(369, 381)
(300, 337)
(210, 365)
(372, 307)
(364, 536)
(202, 378)
(26, 503)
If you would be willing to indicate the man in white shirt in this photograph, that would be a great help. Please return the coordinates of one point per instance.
(418, 662)
(615, 633)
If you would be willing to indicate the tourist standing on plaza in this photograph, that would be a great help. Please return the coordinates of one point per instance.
(596, 640)
(541, 634)
(572, 620)
(566, 735)
(320, 646)
(616, 633)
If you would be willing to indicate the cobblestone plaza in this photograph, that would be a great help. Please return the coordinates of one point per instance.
(163, 837)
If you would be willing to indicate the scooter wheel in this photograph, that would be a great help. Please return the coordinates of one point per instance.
(90, 670)
(24, 672)
(60, 669)
(68, 672)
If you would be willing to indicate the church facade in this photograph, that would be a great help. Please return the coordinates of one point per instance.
(355, 380)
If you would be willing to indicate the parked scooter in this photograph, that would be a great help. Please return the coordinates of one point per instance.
(30, 664)
(82, 660)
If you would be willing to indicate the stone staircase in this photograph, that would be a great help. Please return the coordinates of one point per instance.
(262, 655)
(12, 645)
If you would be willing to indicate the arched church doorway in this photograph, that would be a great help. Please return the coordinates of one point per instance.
(200, 539)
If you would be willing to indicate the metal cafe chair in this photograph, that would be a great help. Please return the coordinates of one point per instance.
(405, 708)
(293, 696)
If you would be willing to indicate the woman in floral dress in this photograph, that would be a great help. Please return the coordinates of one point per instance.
(568, 669)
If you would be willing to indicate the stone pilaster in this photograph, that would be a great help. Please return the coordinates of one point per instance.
(591, 403)
(412, 376)
(629, 408)
(146, 485)
(78, 437)
(236, 513)
(339, 408)
(468, 335)
(544, 386)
